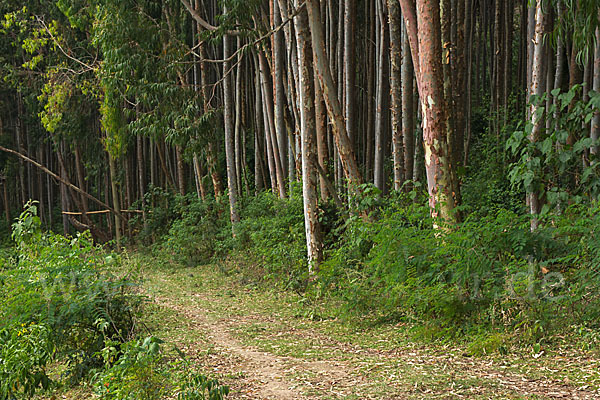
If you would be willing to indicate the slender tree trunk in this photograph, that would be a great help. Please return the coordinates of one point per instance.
(211, 152)
(395, 19)
(382, 92)
(115, 198)
(314, 242)
(229, 137)
(180, 170)
(537, 89)
(433, 104)
(19, 142)
(6, 202)
(321, 128)
(278, 89)
(560, 64)
(334, 109)
(239, 129)
(259, 173)
(350, 67)
(64, 192)
(268, 104)
(595, 130)
(80, 180)
(198, 175)
(370, 94)
(408, 113)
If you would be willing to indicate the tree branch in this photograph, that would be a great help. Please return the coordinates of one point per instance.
(409, 13)
(197, 17)
(62, 180)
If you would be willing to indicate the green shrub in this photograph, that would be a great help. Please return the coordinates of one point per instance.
(25, 352)
(491, 271)
(272, 229)
(199, 234)
(63, 284)
(138, 370)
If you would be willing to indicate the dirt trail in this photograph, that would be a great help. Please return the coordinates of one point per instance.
(254, 373)
(263, 374)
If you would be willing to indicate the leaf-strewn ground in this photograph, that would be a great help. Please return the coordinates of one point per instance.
(266, 345)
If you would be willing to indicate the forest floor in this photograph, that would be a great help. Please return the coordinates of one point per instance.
(272, 344)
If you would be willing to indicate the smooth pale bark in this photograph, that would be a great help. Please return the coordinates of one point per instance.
(395, 22)
(595, 129)
(433, 105)
(381, 100)
(321, 128)
(19, 127)
(239, 128)
(314, 242)
(560, 64)
(350, 67)
(115, 198)
(268, 105)
(334, 110)
(408, 112)
(530, 46)
(200, 189)
(211, 152)
(278, 89)
(536, 89)
(229, 137)
(259, 173)
(180, 170)
(6, 202)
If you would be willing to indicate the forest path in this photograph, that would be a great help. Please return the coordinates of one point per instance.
(273, 344)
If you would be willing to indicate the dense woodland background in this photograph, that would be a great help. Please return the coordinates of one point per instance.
(307, 130)
(419, 164)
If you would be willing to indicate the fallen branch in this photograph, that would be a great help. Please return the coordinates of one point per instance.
(62, 180)
(99, 212)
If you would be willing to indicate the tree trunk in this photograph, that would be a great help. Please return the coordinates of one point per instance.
(314, 242)
(200, 189)
(229, 137)
(6, 202)
(20, 148)
(180, 170)
(536, 89)
(268, 105)
(334, 110)
(350, 67)
(382, 92)
(408, 112)
(278, 89)
(321, 128)
(595, 130)
(433, 104)
(395, 19)
(115, 198)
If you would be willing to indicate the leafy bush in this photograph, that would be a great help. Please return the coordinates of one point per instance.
(490, 272)
(272, 229)
(199, 233)
(133, 371)
(62, 283)
(138, 370)
(550, 166)
(25, 351)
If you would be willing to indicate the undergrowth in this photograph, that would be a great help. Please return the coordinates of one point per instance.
(489, 279)
(66, 319)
